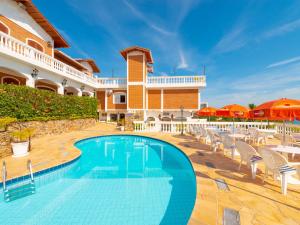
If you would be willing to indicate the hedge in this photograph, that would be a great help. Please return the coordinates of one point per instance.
(28, 104)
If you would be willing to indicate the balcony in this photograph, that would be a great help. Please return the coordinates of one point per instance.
(112, 82)
(176, 81)
(17, 49)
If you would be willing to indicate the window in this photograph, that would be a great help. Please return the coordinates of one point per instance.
(10, 80)
(4, 28)
(119, 98)
(35, 45)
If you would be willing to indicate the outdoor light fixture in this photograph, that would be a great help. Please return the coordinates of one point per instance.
(35, 73)
(82, 87)
(64, 82)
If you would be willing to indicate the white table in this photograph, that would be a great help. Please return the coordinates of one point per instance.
(296, 136)
(285, 149)
(237, 136)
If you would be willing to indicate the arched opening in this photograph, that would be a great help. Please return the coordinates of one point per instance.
(4, 28)
(8, 76)
(87, 94)
(35, 45)
(10, 80)
(70, 91)
(47, 85)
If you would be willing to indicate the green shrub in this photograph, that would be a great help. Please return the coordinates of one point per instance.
(27, 104)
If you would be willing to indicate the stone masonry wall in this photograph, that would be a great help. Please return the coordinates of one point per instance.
(43, 128)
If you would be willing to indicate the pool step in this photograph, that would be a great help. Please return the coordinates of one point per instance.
(19, 192)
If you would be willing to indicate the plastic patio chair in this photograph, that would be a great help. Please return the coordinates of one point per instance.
(279, 166)
(249, 155)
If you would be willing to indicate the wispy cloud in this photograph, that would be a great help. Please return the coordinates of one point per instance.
(74, 45)
(231, 41)
(282, 29)
(141, 16)
(284, 62)
(182, 63)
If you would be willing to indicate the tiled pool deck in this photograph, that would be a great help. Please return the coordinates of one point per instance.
(257, 202)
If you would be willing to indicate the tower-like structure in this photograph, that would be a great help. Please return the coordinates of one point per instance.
(137, 69)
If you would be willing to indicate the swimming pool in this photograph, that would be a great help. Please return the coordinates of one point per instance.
(118, 180)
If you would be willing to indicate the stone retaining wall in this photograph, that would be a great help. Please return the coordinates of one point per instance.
(42, 128)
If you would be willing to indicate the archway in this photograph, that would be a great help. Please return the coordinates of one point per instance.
(47, 85)
(8, 76)
(69, 90)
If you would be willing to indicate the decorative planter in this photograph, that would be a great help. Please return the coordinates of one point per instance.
(20, 149)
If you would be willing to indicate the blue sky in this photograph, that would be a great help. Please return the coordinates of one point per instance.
(251, 49)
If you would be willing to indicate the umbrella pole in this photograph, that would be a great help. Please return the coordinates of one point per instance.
(283, 139)
(233, 125)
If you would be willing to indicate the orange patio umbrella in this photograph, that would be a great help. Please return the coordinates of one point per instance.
(207, 111)
(233, 111)
(281, 109)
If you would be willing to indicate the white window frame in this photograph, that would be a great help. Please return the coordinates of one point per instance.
(117, 95)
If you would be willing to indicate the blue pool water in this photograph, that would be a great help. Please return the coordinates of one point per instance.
(118, 180)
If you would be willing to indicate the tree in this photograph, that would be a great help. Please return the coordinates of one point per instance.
(251, 106)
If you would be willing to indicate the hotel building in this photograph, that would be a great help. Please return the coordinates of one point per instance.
(30, 55)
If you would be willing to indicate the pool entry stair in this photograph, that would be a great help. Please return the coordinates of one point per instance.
(21, 190)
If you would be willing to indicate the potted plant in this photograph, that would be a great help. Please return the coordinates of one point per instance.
(21, 142)
(5, 121)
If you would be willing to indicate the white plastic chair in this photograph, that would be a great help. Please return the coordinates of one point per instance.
(249, 155)
(256, 137)
(229, 144)
(279, 166)
(215, 141)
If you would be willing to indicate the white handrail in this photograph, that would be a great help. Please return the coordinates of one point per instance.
(29, 166)
(177, 80)
(19, 48)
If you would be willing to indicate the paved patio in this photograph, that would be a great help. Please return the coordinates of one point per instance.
(257, 202)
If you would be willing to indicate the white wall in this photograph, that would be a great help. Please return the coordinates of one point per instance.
(14, 12)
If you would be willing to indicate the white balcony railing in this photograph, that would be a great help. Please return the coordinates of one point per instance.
(18, 49)
(112, 82)
(176, 81)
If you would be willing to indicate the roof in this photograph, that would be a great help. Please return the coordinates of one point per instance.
(68, 60)
(92, 63)
(59, 41)
(147, 52)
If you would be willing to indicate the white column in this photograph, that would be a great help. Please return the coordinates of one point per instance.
(199, 98)
(30, 82)
(105, 101)
(60, 89)
(79, 92)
